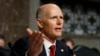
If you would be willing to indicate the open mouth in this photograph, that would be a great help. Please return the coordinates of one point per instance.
(58, 29)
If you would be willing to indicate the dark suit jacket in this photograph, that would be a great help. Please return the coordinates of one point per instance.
(4, 51)
(20, 49)
(61, 50)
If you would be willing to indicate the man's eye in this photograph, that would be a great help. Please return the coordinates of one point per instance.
(53, 17)
(61, 17)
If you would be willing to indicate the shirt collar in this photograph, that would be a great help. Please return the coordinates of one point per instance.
(47, 44)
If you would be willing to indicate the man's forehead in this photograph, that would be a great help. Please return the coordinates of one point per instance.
(47, 9)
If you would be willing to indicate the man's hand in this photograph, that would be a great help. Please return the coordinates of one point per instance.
(35, 42)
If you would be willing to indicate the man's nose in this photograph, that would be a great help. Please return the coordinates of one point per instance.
(59, 21)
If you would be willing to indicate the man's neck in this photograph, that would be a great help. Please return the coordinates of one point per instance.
(50, 39)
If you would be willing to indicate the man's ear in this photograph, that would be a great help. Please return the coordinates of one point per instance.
(39, 23)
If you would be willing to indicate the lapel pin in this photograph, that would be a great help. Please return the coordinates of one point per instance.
(62, 50)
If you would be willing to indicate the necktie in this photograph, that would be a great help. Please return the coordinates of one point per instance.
(52, 50)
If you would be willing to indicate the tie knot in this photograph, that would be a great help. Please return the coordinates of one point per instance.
(52, 47)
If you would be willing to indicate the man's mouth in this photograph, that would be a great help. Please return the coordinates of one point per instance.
(58, 29)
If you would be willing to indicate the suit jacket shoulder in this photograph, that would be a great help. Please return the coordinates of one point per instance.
(20, 47)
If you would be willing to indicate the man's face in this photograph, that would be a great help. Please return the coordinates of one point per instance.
(69, 44)
(2, 43)
(53, 22)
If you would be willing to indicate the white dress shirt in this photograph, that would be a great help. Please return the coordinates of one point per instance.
(47, 45)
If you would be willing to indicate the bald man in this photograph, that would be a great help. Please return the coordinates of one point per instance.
(50, 21)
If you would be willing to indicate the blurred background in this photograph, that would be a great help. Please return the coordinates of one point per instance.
(82, 19)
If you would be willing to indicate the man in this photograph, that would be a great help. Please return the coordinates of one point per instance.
(4, 51)
(50, 21)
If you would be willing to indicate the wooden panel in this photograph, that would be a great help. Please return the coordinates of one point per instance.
(14, 18)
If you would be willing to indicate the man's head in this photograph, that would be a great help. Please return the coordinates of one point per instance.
(69, 42)
(50, 21)
(2, 41)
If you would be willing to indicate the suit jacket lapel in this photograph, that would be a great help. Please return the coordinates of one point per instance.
(59, 49)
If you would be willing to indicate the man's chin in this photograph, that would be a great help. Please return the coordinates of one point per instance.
(58, 35)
